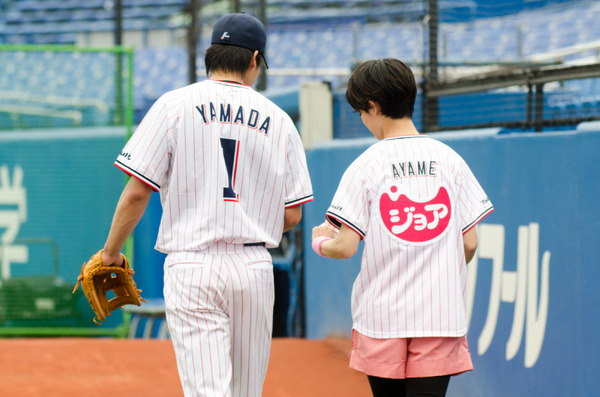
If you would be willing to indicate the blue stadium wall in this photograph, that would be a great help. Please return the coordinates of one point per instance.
(534, 282)
(533, 290)
(58, 190)
(70, 189)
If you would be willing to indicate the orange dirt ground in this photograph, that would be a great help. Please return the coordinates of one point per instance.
(100, 367)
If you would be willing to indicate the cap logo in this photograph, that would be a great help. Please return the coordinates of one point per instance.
(241, 30)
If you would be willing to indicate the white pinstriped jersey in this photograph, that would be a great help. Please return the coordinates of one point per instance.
(411, 198)
(226, 161)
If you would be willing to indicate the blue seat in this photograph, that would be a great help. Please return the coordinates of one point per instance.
(150, 315)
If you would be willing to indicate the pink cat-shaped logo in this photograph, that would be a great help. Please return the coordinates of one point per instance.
(413, 221)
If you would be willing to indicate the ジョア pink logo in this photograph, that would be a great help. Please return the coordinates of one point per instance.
(413, 221)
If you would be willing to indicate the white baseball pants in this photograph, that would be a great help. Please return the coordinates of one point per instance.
(219, 309)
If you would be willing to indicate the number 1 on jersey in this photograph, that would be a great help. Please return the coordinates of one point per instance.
(230, 155)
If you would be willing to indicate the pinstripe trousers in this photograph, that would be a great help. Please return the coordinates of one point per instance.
(219, 309)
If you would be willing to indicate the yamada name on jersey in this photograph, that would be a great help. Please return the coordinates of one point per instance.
(223, 113)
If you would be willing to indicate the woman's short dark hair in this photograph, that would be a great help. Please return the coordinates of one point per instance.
(389, 82)
(227, 58)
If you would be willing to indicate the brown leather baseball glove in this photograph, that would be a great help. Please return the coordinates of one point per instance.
(97, 280)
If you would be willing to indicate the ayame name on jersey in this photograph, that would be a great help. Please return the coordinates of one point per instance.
(222, 113)
(418, 168)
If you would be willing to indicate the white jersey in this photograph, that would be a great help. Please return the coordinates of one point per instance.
(411, 198)
(226, 161)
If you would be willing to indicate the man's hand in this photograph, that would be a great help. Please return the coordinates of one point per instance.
(112, 260)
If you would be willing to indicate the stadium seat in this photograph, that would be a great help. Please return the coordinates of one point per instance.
(319, 43)
(151, 316)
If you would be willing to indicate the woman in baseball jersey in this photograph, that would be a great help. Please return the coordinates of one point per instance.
(232, 176)
(415, 202)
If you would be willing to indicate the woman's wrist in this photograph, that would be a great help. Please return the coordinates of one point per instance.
(317, 243)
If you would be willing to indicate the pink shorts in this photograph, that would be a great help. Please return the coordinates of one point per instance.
(401, 358)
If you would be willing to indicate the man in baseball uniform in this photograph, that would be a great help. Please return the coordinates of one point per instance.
(415, 202)
(232, 176)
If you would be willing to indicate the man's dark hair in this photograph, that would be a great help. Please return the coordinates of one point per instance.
(389, 82)
(227, 58)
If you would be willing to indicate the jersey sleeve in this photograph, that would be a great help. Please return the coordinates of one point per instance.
(472, 204)
(352, 200)
(298, 186)
(146, 154)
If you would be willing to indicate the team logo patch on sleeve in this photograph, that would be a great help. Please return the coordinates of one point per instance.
(415, 222)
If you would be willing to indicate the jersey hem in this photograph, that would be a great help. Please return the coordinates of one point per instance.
(337, 220)
(300, 201)
(406, 137)
(224, 82)
(477, 220)
(406, 334)
(137, 175)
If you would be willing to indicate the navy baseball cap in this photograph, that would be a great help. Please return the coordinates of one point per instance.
(242, 30)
